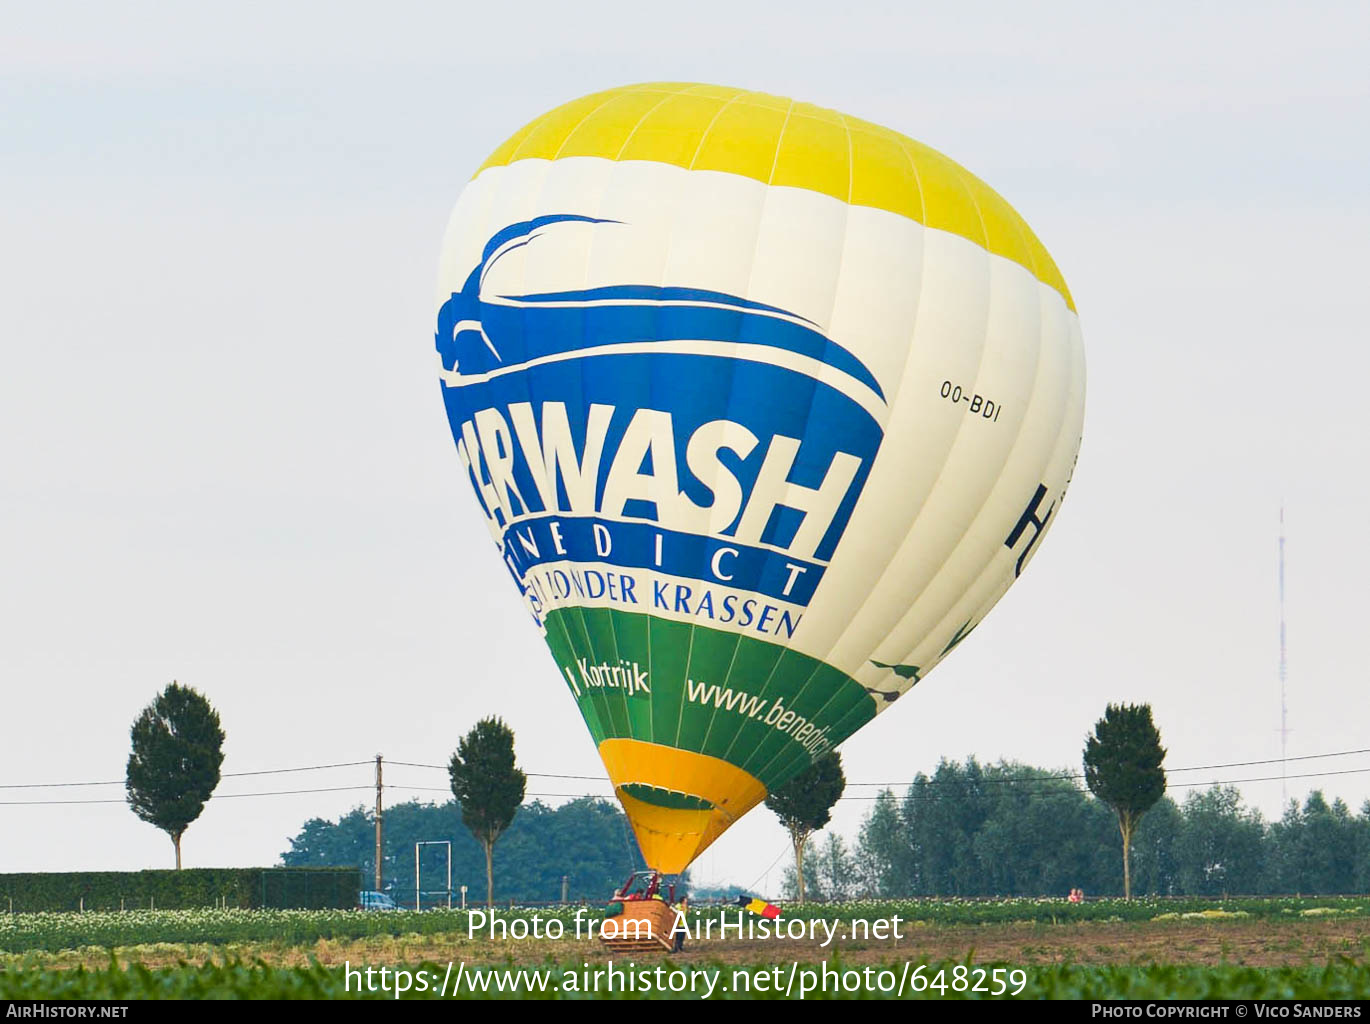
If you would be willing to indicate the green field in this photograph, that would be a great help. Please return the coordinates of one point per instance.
(261, 981)
(1238, 948)
(57, 931)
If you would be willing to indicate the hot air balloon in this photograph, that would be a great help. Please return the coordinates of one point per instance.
(765, 408)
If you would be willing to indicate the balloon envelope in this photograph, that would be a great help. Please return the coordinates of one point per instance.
(765, 408)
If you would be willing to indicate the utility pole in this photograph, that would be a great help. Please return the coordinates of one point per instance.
(379, 813)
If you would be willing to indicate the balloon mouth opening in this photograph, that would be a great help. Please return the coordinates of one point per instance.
(677, 801)
(670, 837)
(668, 798)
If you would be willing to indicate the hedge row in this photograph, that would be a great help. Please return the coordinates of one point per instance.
(246, 888)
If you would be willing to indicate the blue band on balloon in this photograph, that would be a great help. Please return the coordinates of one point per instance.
(533, 542)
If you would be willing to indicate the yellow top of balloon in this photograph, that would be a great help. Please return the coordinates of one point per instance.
(783, 142)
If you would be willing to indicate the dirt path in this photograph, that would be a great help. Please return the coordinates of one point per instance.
(1247, 943)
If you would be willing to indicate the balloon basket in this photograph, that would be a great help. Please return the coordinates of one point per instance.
(643, 926)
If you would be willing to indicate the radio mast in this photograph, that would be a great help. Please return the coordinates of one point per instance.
(1284, 702)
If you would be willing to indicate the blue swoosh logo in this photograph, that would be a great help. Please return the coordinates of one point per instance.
(478, 333)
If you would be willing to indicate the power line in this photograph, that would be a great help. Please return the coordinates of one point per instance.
(1270, 778)
(1079, 775)
(285, 792)
(573, 796)
(761, 877)
(604, 796)
(1177, 785)
(999, 780)
(306, 768)
(215, 796)
(531, 775)
(226, 775)
(995, 780)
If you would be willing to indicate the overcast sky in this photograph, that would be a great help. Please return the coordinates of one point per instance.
(224, 457)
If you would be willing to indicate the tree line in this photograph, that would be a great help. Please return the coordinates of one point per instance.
(587, 840)
(1004, 829)
(1124, 769)
(1014, 830)
(1010, 829)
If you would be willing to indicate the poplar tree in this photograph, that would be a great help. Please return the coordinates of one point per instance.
(488, 787)
(805, 803)
(178, 749)
(1123, 760)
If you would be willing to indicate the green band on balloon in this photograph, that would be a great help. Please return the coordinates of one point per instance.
(761, 707)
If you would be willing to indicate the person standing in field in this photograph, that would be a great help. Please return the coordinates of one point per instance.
(680, 935)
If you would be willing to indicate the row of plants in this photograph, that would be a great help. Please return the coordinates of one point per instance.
(1052, 910)
(315, 888)
(51, 932)
(260, 981)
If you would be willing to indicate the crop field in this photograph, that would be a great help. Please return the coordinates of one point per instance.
(1238, 948)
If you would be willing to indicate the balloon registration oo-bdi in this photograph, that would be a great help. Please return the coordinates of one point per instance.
(765, 407)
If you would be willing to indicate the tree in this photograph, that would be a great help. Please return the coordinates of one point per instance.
(789, 880)
(488, 787)
(178, 749)
(1123, 769)
(942, 816)
(1220, 845)
(881, 855)
(805, 803)
(1040, 834)
(1361, 882)
(836, 870)
(1313, 849)
(1156, 850)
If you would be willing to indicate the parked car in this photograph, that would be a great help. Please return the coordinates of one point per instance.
(369, 899)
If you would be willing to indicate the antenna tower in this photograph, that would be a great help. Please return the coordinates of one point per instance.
(1284, 702)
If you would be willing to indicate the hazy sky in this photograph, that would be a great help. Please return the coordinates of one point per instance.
(224, 457)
